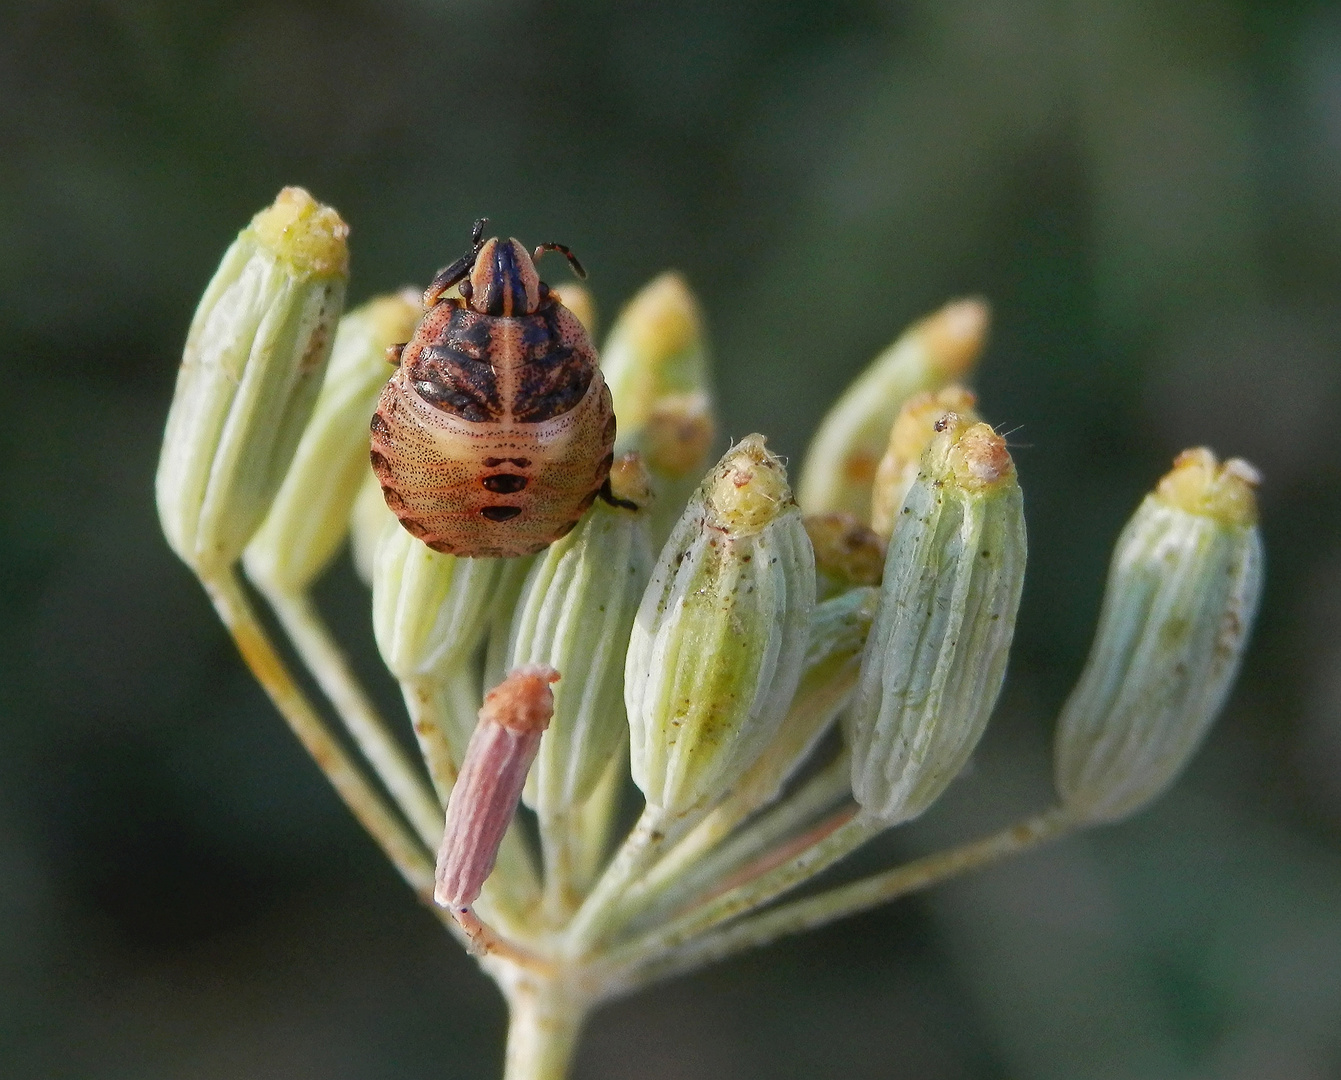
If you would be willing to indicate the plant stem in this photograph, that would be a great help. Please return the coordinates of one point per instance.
(826, 907)
(846, 833)
(601, 914)
(324, 659)
(574, 840)
(545, 1018)
(559, 841)
(597, 822)
(432, 730)
(390, 832)
(702, 857)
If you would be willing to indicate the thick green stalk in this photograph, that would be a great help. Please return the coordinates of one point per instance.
(545, 1015)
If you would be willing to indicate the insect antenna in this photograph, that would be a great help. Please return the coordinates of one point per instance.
(567, 254)
(445, 278)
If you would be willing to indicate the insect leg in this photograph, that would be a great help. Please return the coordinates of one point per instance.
(567, 254)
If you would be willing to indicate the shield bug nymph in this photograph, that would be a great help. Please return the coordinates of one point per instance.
(496, 432)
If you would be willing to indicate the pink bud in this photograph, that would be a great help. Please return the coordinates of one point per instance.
(502, 747)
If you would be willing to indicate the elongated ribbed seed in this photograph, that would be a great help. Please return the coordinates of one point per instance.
(514, 716)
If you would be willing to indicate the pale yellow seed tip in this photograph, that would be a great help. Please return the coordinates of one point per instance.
(629, 481)
(956, 334)
(664, 317)
(679, 433)
(915, 426)
(1199, 484)
(971, 454)
(577, 299)
(747, 489)
(911, 434)
(397, 314)
(980, 458)
(311, 237)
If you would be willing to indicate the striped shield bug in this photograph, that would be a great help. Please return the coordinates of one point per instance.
(496, 431)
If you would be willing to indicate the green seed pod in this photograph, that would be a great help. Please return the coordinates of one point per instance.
(310, 516)
(937, 653)
(838, 631)
(655, 349)
(369, 518)
(575, 613)
(719, 640)
(655, 362)
(841, 463)
(1182, 591)
(847, 554)
(430, 610)
(511, 578)
(909, 437)
(253, 363)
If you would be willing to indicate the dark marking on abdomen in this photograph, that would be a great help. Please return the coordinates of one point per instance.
(452, 372)
(550, 388)
(553, 377)
(504, 483)
(501, 513)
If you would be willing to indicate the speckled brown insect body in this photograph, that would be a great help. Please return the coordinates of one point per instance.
(496, 431)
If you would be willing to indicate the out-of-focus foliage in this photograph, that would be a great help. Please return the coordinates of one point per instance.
(1149, 193)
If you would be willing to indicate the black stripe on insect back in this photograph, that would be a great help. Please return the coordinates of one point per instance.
(553, 378)
(458, 384)
(468, 332)
(507, 293)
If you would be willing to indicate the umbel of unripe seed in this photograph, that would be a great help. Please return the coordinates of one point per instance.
(311, 513)
(937, 652)
(719, 639)
(575, 613)
(1182, 591)
(254, 360)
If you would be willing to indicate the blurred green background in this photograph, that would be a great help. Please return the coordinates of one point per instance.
(1149, 193)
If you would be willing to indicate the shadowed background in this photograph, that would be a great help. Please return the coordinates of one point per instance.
(1150, 195)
